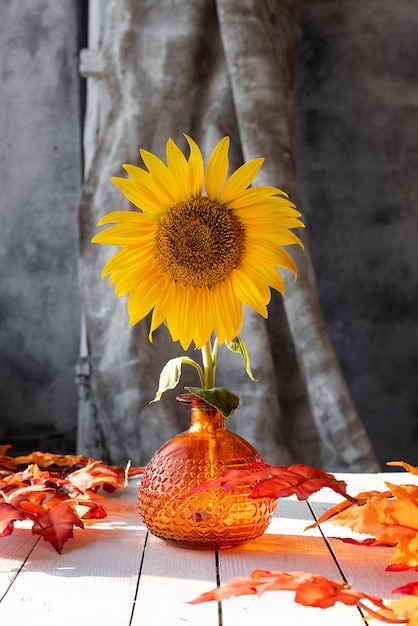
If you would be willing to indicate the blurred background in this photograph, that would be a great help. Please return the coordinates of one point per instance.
(356, 108)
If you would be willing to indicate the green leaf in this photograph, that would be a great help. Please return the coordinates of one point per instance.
(237, 345)
(171, 372)
(220, 397)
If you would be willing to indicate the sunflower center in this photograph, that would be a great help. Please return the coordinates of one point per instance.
(199, 242)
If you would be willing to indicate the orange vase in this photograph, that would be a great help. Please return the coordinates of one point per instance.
(213, 518)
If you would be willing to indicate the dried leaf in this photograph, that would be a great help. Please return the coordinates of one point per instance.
(273, 481)
(317, 591)
(409, 468)
(360, 499)
(408, 589)
(95, 475)
(402, 611)
(55, 524)
(65, 462)
(390, 517)
(368, 543)
(47, 459)
(311, 589)
(8, 516)
(55, 501)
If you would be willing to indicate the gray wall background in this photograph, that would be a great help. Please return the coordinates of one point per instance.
(40, 177)
(356, 98)
(356, 103)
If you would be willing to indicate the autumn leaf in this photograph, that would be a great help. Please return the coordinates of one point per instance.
(410, 589)
(64, 462)
(317, 591)
(310, 589)
(360, 499)
(370, 542)
(402, 611)
(8, 516)
(276, 481)
(409, 468)
(47, 459)
(95, 475)
(53, 514)
(56, 502)
(55, 522)
(390, 517)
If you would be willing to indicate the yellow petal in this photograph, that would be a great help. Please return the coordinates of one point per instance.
(137, 277)
(254, 196)
(217, 168)
(177, 164)
(204, 318)
(248, 292)
(195, 166)
(163, 304)
(140, 199)
(227, 311)
(147, 186)
(180, 317)
(128, 217)
(122, 235)
(240, 180)
(145, 295)
(266, 273)
(162, 177)
(125, 259)
(268, 252)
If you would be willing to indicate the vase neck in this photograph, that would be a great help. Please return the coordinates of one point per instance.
(206, 418)
(203, 416)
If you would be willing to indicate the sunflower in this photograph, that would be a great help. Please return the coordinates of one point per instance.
(201, 245)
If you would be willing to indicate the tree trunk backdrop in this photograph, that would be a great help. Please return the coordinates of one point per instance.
(208, 69)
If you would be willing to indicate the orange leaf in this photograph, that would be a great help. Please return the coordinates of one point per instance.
(8, 515)
(390, 517)
(317, 591)
(402, 611)
(55, 500)
(409, 589)
(406, 466)
(95, 475)
(47, 459)
(273, 481)
(368, 543)
(56, 524)
(311, 589)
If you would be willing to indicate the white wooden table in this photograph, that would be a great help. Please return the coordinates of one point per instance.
(115, 573)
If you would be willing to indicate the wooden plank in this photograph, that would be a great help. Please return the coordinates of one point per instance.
(363, 567)
(14, 550)
(171, 576)
(93, 581)
(284, 547)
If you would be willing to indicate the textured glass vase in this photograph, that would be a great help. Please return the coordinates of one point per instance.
(213, 518)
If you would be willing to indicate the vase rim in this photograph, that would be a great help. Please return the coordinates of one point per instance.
(191, 398)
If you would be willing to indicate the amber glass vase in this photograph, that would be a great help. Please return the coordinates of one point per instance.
(213, 518)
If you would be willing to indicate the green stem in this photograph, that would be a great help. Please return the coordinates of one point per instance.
(209, 364)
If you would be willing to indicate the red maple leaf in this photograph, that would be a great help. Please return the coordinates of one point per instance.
(311, 589)
(317, 591)
(55, 505)
(55, 492)
(8, 516)
(55, 521)
(95, 475)
(276, 481)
